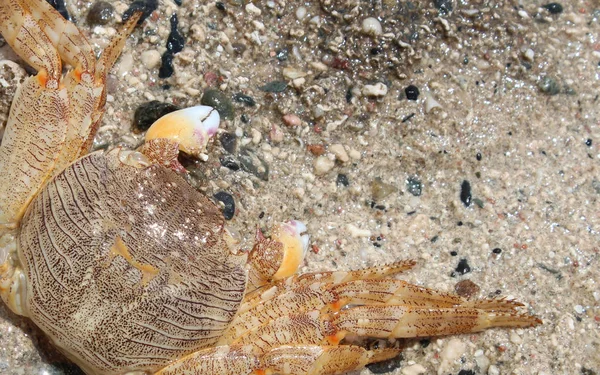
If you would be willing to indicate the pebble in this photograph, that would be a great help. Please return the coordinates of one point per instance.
(529, 54)
(466, 372)
(414, 186)
(146, 6)
(579, 309)
(291, 119)
(293, 73)
(228, 161)
(465, 193)
(150, 58)
(342, 180)
(445, 6)
(554, 8)
(229, 142)
(219, 101)
(466, 288)
(415, 369)
(463, 267)
(245, 99)
(274, 86)
(316, 149)
(549, 85)
(254, 164)
(339, 152)
(323, 164)
(372, 26)
(430, 102)
(228, 202)
(453, 350)
(100, 13)
(357, 232)
(378, 89)
(386, 366)
(251, 8)
(412, 92)
(493, 370)
(147, 113)
(515, 338)
(301, 13)
(380, 189)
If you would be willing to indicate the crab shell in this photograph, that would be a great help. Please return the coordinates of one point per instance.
(127, 266)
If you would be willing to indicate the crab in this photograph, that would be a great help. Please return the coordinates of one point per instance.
(129, 270)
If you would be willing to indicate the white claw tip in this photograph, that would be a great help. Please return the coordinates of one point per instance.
(191, 128)
(295, 241)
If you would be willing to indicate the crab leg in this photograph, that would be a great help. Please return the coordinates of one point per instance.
(285, 360)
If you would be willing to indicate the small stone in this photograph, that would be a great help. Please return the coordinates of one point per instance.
(430, 102)
(251, 8)
(372, 26)
(453, 350)
(466, 288)
(548, 85)
(529, 54)
(342, 180)
(380, 190)
(282, 54)
(228, 161)
(378, 89)
(554, 8)
(150, 58)
(291, 119)
(465, 193)
(147, 113)
(415, 369)
(323, 164)
(245, 99)
(175, 41)
(276, 135)
(497, 250)
(444, 6)
(100, 13)
(463, 267)
(229, 142)
(339, 152)
(316, 149)
(493, 370)
(252, 163)
(145, 6)
(274, 86)
(293, 73)
(228, 204)
(588, 142)
(414, 186)
(579, 309)
(466, 372)
(412, 92)
(386, 366)
(219, 101)
(301, 13)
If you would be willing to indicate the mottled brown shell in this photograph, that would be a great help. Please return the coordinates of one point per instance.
(127, 268)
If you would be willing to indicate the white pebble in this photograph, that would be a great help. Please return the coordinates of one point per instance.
(150, 59)
(430, 102)
(453, 350)
(339, 152)
(415, 369)
(515, 338)
(251, 8)
(579, 309)
(493, 370)
(293, 73)
(529, 54)
(323, 164)
(372, 26)
(378, 89)
(301, 13)
(357, 232)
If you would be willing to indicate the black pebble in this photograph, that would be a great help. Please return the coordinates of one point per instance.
(219, 101)
(229, 142)
(60, 6)
(245, 119)
(229, 161)
(349, 95)
(166, 66)
(414, 186)
(497, 250)
(175, 42)
(100, 13)
(342, 180)
(148, 112)
(386, 366)
(425, 343)
(282, 54)
(463, 267)
(227, 199)
(145, 6)
(478, 156)
(466, 372)
(554, 8)
(453, 253)
(465, 193)
(245, 99)
(274, 86)
(588, 142)
(220, 6)
(178, 2)
(445, 6)
(412, 92)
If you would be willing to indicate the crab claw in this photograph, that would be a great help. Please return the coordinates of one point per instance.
(191, 128)
(292, 235)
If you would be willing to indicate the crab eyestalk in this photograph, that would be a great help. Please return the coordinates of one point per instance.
(190, 129)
